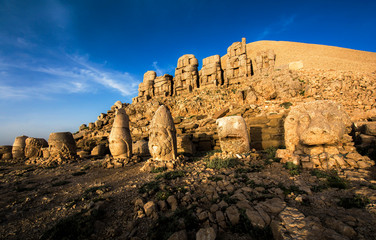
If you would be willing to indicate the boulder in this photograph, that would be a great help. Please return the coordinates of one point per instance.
(233, 134)
(34, 147)
(18, 149)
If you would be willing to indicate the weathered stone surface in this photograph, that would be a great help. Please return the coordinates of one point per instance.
(18, 150)
(238, 64)
(141, 148)
(181, 235)
(150, 209)
(99, 150)
(296, 65)
(163, 86)
(162, 139)
(185, 145)
(233, 215)
(211, 72)
(206, 234)
(186, 74)
(265, 61)
(233, 135)
(120, 141)
(118, 105)
(62, 144)
(82, 127)
(6, 152)
(315, 123)
(146, 88)
(34, 147)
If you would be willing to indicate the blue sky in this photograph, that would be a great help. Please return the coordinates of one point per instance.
(64, 62)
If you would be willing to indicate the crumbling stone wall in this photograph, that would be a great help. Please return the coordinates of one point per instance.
(186, 74)
(211, 72)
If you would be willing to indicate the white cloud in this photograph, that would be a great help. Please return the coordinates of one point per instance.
(158, 70)
(280, 26)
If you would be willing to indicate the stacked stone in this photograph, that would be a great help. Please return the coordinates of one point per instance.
(265, 61)
(18, 150)
(211, 72)
(163, 86)
(186, 74)
(365, 137)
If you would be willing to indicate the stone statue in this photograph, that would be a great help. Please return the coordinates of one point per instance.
(233, 134)
(34, 147)
(211, 72)
(18, 149)
(62, 144)
(6, 152)
(120, 141)
(315, 123)
(186, 74)
(265, 61)
(162, 138)
(238, 64)
(163, 86)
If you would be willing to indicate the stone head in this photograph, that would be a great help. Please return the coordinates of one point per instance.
(315, 123)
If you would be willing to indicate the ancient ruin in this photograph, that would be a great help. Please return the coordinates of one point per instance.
(33, 148)
(211, 74)
(186, 74)
(162, 138)
(146, 88)
(120, 140)
(163, 86)
(316, 136)
(264, 62)
(233, 134)
(6, 152)
(238, 65)
(62, 145)
(18, 150)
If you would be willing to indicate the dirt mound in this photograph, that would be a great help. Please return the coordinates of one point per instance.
(316, 56)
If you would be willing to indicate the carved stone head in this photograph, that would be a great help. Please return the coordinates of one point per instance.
(315, 123)
(233, 135)
(162, 137)
(120, 142)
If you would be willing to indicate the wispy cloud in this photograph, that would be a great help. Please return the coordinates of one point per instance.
(157, 69)
(280, 26)
(161, 71)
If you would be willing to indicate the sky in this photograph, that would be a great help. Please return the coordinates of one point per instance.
(63, 62)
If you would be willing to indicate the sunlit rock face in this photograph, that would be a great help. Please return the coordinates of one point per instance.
(18, 149)
(34, 147)
(120, 141)
(62, 144)
(6, 152)
(162, 137)
(315, 123)
(265, 61)
(233, 135)
(211, 73)
(186, 74)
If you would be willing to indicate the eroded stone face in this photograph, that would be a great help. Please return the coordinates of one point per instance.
(211, 72)
(233, 135)
(120, 141)
(315, 123)
(265, 61)
(163, 85)
(162, 137)
(62, 144)
(34, 147)
(18, 149)
(186, 74)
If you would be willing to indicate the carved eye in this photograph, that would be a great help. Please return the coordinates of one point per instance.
(304, 119)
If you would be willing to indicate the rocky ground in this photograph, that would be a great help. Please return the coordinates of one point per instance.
(250, 196)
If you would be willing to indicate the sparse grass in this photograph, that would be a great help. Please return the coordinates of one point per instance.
(162, 195)
(152, 186)
(218, 163)
(158, 170)
(171, 175)
(286, 105)
(164, 227)
(292, 168)
(332, 179)
(269, 153)
(291, 189)
(242, 178)
(357, 201)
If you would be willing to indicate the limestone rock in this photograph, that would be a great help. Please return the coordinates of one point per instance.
(185, 145)
(150, 209)
(141, 148)
(120, 141)
(163, 86)
(99, 150)
(6, 152)
(118, 105)
(62, 144)
(238, 64)
(146, 88)
(34, 147)
(162, 140)
(296, 65)
(18, 149)
(265, 61)
(233, 135)
(211, 72)
(206, 234)
(233, 215)
(181, 235)
(186, 74)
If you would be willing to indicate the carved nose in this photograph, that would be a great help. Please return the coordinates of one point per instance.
(318, 131)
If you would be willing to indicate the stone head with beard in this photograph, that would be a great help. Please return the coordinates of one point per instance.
(162, 138)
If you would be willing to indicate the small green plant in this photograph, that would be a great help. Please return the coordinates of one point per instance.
(152, 186)
(286, 105)
(218, 163)
(162, 195)
(292, 168)
(357, 201)
(158, 170)
(302, 92)
(332, 178)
